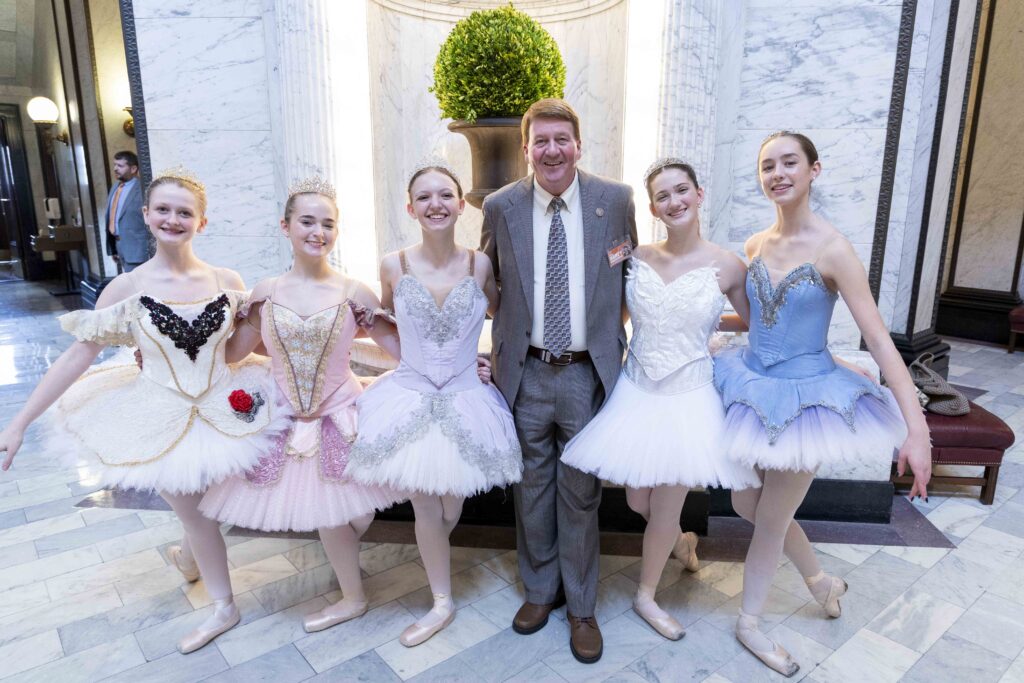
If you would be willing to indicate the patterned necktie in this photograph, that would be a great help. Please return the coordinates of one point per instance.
(557, 333)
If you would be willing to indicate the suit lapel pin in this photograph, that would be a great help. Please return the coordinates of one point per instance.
(600, 212)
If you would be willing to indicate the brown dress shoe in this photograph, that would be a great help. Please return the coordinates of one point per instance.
(532, 617)
(585, 639)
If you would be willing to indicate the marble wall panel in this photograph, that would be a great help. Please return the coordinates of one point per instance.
(255, 258)
(818, 66)
(178, 9)
(407, 125)
(204, 74)
(730, 65)
(994, 204)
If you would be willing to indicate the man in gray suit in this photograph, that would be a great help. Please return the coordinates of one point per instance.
(128, 240)
(557, 240)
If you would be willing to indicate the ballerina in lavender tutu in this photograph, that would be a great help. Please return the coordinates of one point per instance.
(790, 408)
(431, 428)
(307, 320)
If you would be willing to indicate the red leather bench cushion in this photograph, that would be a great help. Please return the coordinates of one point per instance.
(979, 429)
(1017, 315)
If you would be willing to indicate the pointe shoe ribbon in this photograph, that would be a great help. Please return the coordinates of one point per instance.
(418, 633)
(826, 591)
(685, 551)
(777, 658)
(225, 617)
(190, 570)
(332, 615)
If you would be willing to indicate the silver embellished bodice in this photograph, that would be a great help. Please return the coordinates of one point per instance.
(439, 343)
(672, 324)
(790, 318)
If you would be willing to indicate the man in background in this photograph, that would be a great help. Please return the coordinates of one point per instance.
(128, 236)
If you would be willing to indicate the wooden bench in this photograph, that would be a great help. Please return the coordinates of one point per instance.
(1016, 325)
(978, 438)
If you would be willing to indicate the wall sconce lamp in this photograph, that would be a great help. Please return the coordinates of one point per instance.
(44, 113)
(129, 125)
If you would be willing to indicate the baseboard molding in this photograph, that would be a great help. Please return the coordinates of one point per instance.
(831, 500)
(976, 314)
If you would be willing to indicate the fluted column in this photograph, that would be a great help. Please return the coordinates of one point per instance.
(689, 87)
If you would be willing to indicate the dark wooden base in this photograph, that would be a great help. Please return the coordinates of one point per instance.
(831, 500)
(976, 314)
(912, 346)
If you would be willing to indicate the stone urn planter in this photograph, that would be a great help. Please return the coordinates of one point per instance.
(497, 152)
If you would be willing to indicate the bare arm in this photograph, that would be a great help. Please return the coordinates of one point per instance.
(246, 336)
(732, 278)
(490, 285)
(846, 271)
(61, 375)
(383, 332)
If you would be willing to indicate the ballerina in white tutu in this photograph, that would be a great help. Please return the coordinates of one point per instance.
(187, 419)
(431, 428)
(660, 432)
(307, 320)
(790, 407)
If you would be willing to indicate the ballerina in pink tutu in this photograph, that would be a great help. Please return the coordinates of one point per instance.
(307, 320)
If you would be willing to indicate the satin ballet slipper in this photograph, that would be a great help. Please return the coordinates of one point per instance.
(225, 617)
(444, 613)
(827, 590)
(659, 620)
(685, 551)
(777, 658)
(190, 570)
(329, 616)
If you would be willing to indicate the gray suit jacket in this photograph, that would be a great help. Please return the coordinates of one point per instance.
(133, 245)
(507, 239)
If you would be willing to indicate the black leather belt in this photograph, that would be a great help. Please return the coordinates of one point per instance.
(567, 358)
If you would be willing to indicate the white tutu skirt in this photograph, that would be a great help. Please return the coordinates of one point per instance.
(817, 436)
(137, 434)
(286, 492)
(642, 439)
(459, 443)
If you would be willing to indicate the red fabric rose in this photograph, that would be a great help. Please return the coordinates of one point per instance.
(240, 401)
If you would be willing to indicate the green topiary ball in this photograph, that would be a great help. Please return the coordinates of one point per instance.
(496, 63)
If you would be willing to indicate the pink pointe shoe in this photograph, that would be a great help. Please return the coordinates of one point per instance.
(188, 567)
(438, 618)
(826, 591)
(658, 619)
(225, 617)
(750, 636)
(685, 551)
(332, 615)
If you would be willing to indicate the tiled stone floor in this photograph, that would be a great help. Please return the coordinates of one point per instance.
(87, 593)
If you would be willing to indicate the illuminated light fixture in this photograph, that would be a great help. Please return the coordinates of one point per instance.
(44, 113)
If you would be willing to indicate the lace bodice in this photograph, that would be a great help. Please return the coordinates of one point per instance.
(439, 343)
(182, 342)
(309, 356)
(790, 318)
(672, 324)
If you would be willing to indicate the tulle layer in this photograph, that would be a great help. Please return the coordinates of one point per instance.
(458, 443)
(138, 434)
(780, 393)
(642, 439)
(301, 499)
(817, 437)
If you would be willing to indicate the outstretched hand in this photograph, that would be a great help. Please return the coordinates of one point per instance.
(10, 442)
(916, 451)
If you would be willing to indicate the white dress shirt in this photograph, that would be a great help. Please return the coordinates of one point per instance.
(572, 219)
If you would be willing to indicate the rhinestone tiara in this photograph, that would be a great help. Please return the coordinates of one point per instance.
(433, 162)
(183, 174)
(660, 164)
(313, 185)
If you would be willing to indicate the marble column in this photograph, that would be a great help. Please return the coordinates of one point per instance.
(689, 87)
(303, 98)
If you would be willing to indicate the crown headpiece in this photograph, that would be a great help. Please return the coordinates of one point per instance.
(661, 163)
(313, 185)
(434, 162)
(181, 174)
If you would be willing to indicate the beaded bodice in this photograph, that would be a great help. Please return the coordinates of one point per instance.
(309, 356)
(439, 342)
(672, 323)
(183, 343)
(790, 318)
